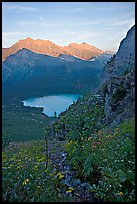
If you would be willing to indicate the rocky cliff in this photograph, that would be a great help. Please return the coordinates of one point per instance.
(119, 86)
(125, 56)
(126, 51)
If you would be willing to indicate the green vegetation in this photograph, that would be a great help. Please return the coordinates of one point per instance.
(25, 176)
(107, 160)
(101, 155)
(119, 94)
(23, 123)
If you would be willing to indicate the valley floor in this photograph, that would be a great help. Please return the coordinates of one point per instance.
(23, 123)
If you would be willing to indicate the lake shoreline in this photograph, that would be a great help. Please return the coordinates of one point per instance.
(52, 105)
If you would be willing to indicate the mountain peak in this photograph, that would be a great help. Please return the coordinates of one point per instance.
(82, 51)
(28, 38)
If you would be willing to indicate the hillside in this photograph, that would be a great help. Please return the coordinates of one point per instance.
(28, 74)
(88, 153)
(82, 51)
(104, 124)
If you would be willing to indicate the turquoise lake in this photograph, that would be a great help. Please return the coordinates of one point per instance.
(54, 103)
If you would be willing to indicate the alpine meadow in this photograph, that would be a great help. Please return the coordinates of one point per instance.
(68, 101)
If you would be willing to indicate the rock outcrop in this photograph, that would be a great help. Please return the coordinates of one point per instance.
(125, 56)
(126, 51)
(119, 86)
(119, 94)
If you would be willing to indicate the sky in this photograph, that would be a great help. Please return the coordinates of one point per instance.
(101, 24)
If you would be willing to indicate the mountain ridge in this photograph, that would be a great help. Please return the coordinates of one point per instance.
(83, 50)
(32, 74)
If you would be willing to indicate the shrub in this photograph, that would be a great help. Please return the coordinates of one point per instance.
(106, 159)
(119, 94)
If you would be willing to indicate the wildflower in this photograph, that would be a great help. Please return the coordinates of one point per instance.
(120, 193)
(99, 132)
(60, 176)
(126, 134)
(25, 182)
(93, 146)
(99, 143)
(94, 143)
(118, 136)
(101, 137)
(69, 190)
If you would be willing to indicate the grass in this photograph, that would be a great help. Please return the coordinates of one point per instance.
(25, 176)
(23, 123)
(100, 155)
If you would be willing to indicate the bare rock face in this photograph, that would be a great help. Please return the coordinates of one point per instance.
(82, 51)
(126, 51)
(125, 56)
(119, 84)
(38, 46)
(120, 98)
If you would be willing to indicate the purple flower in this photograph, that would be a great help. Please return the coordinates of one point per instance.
(119, 137)
(126, 134)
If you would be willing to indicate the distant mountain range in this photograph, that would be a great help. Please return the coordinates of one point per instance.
(29, 74)
(82, 51)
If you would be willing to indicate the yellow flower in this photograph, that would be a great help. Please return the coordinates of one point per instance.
(108, 136)
(25, 182)
(69, 190)
(60, 175)
(120, 193)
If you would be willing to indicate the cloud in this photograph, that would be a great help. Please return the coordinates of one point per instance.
(18, 7)
(25, 23)
(36, 23)
(108, 6)
(72, 10)
(8, 34)
(80, 37)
